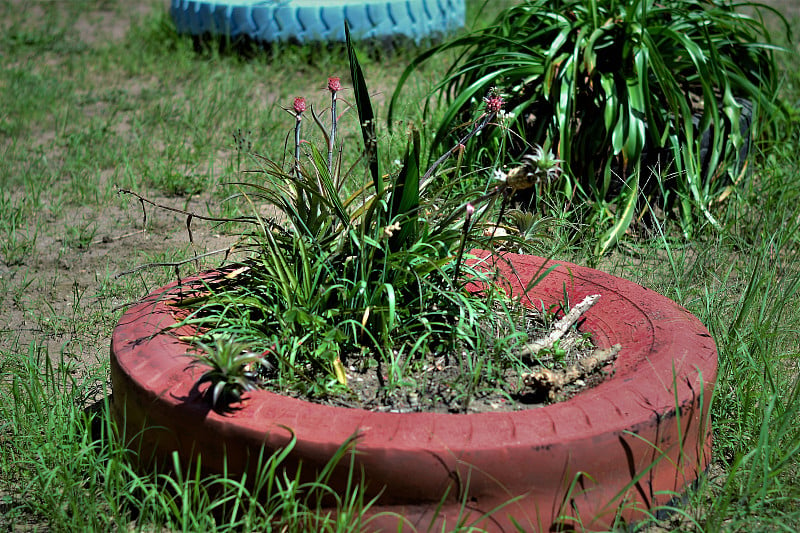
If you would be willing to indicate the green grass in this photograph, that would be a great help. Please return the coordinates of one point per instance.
(80, 117)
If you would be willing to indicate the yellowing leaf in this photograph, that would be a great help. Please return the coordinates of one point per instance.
(338, 370)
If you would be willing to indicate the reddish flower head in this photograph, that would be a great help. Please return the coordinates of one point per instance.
(494, 103)
(468, 218)
(334, 84)
(299, 104)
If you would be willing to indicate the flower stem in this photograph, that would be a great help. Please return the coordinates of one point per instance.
(299, 106)
(482, 122)
(470, 209)
(297, 145)
(332, 139)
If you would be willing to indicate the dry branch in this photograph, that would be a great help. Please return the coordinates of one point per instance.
(552, 382)
(175, 264)
(190, 215)
(561, 327)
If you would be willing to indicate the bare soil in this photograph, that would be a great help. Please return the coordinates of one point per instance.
(439, 386)
(63, 297)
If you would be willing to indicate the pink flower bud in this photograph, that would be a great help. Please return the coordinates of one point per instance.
(494, 103)
(470, 210)
(334, 84)
(299, 104)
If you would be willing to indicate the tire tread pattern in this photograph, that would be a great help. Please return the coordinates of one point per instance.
(305, 22)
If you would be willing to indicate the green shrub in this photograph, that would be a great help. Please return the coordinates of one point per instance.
(634, 96)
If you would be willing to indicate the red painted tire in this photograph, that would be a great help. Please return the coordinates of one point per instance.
(620, 448)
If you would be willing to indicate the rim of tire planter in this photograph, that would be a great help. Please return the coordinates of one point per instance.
(305, 21)
(628, 445)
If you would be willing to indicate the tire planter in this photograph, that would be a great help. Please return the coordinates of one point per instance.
(304, 21)
(616, 451)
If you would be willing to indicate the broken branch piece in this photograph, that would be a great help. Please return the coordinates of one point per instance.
(552, 381)
(560, 327)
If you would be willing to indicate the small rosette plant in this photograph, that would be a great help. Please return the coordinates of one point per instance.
(233, 370)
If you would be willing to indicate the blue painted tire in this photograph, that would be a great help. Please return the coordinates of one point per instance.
(305, 21)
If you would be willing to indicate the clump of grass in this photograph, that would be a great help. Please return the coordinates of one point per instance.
(62, 458)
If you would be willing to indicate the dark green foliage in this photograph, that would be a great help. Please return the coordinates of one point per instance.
(643, 100)
(366, 117)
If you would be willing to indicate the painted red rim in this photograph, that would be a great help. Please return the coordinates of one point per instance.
(621, 448)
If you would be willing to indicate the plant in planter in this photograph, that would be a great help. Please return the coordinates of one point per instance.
(648, 103)
(366, 279)
(380, 277)
(369, 283)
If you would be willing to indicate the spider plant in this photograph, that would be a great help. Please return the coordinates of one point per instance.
(643, 100)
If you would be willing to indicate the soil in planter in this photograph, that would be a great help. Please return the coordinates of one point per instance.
(436, 391)
(442, 385)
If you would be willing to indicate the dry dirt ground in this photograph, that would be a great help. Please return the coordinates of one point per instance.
(58, 298)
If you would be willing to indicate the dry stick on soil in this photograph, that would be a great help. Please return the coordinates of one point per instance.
(560, 327)
(107, 239)
(553, 381)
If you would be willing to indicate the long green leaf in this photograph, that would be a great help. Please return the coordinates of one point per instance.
(405, 193)
(636, 113)
(329, 191)
(624, 217)
(366, 116)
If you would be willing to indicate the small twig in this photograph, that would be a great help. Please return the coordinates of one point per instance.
(144, 200)
(483, 122)
(119, 238)
(560, 327)
(144, 213)
(190, 215)
(175, 264)
(189, 227)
